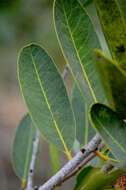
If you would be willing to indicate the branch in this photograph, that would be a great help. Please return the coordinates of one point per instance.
(84, 162)
(33, 160)
(72, 164)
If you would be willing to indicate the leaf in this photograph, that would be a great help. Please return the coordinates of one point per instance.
(94, 179)
(92, 12)
(55, 158)
(122, 4)
(22, 147)
(113, 27)
(81, 177)
(77, 39)
(114, 80)
(111, 128)
(87, 2)
(84, 130)
(46, 97)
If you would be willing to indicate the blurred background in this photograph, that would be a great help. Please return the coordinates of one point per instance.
(22, 22)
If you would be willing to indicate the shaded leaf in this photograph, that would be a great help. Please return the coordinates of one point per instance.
(92, 12)
(111, 128)
(94, 179)
(122, 4)
(22, 147)
(81, 177)
(77, 39)
(114, 29)
(46, 97)
(84, 130)
(87, 2)
(114, 80)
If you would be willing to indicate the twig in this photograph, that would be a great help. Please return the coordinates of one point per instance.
(72, 164)
(84, 162)
(33, 160)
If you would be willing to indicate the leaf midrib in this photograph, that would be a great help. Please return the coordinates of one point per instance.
(49, 107)
(78, 56)
(66, 59)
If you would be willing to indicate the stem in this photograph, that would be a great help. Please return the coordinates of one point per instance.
(33, 160)
(72, 164)
(101, 156)
(84, 162)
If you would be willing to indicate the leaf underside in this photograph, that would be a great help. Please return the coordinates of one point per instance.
(22, 147)
(84, 130)
(46, 97)
(77, 39)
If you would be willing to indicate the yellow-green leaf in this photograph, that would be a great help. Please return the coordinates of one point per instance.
(94, 179)
(54, 158)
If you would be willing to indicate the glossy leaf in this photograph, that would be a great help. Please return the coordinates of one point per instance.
(84, 130)
(114, 80)
(111, 128)
(114, 29)
(46, 97)
(77, 39)
(94, 179)
(22, 147)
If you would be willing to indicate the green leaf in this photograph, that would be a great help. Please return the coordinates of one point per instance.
(94, 179)
(114, 29)
(46, 97)
(87, 2)
(84, 130)
(114, 80)
(22, 147)
(81, 177)
(111, 128)
(92, 12)
(55, 158)
(77, 39)
(122, 4)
